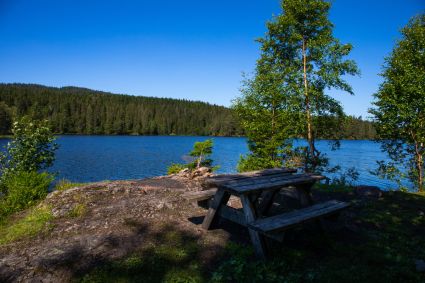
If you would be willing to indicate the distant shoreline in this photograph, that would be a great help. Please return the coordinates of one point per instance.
(132, 135)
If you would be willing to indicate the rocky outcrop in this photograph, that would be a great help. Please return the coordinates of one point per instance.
(197, 173)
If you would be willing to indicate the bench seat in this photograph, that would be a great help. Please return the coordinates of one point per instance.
(296, 217)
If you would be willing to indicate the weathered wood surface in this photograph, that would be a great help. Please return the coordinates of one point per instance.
(256, 239)
(220, 199)
(219, 179)
(268, 183)
(232, 214)
(288, 220)
(199, 195)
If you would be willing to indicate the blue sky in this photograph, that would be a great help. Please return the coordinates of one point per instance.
(183, 49)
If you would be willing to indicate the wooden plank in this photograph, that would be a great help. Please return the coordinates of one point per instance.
(232, 214)
(256, 239)
(267, 198)
(220, 198)
(199, 195)
(264, 180)
(293, 180)
(259, 179)
(304, 194)
(212, 181)
(287, 220)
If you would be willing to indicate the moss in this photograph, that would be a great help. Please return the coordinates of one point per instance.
(35, 221)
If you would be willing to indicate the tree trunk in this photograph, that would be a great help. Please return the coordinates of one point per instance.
(310, 138)
(420, 166)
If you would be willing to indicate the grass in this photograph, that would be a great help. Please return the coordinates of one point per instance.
(64, 185)
(34, 222)
(78, 210)
(383, 240)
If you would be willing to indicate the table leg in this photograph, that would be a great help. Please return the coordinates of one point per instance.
(306, 199)
(256, 238)
(220, 198)
(304, 194)
(266, 202)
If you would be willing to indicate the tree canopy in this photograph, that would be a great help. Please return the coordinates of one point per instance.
(399, 111)
(300, 59)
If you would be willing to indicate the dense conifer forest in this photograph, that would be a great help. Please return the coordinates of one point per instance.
(73, 110)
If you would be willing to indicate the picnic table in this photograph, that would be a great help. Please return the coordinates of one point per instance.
(257, 191)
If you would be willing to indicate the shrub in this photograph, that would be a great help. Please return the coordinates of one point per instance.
(24, 189)
(31, 149)
(175, 168)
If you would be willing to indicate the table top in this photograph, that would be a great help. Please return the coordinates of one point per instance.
(262, 180)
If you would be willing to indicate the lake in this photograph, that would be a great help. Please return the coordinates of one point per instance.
(96, 158)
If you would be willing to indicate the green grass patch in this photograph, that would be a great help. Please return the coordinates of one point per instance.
(64, 185)
(78, 210)
(34, 222)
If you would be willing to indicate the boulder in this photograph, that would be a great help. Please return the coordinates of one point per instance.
(368, 191)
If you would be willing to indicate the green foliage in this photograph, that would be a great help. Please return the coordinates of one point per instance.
(201, 152)
(74, 110)
(34, 222)
(252, 163)
(32, 149)
(399, 112)
(286, 99)
(24, 189)
(63, 185)
(175, 168)
(264, 115)
(5, 119)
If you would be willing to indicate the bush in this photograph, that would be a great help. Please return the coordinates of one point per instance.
(31, 149)
(252, 163)
(24, 189)
(175, 168)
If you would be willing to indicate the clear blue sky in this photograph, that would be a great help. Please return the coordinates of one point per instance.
(183, 49)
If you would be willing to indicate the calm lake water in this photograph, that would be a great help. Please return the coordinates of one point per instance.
(96, 158)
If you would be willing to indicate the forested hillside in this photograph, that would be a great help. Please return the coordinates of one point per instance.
(73, 110)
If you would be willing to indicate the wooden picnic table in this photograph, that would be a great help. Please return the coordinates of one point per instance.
(257, 191)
